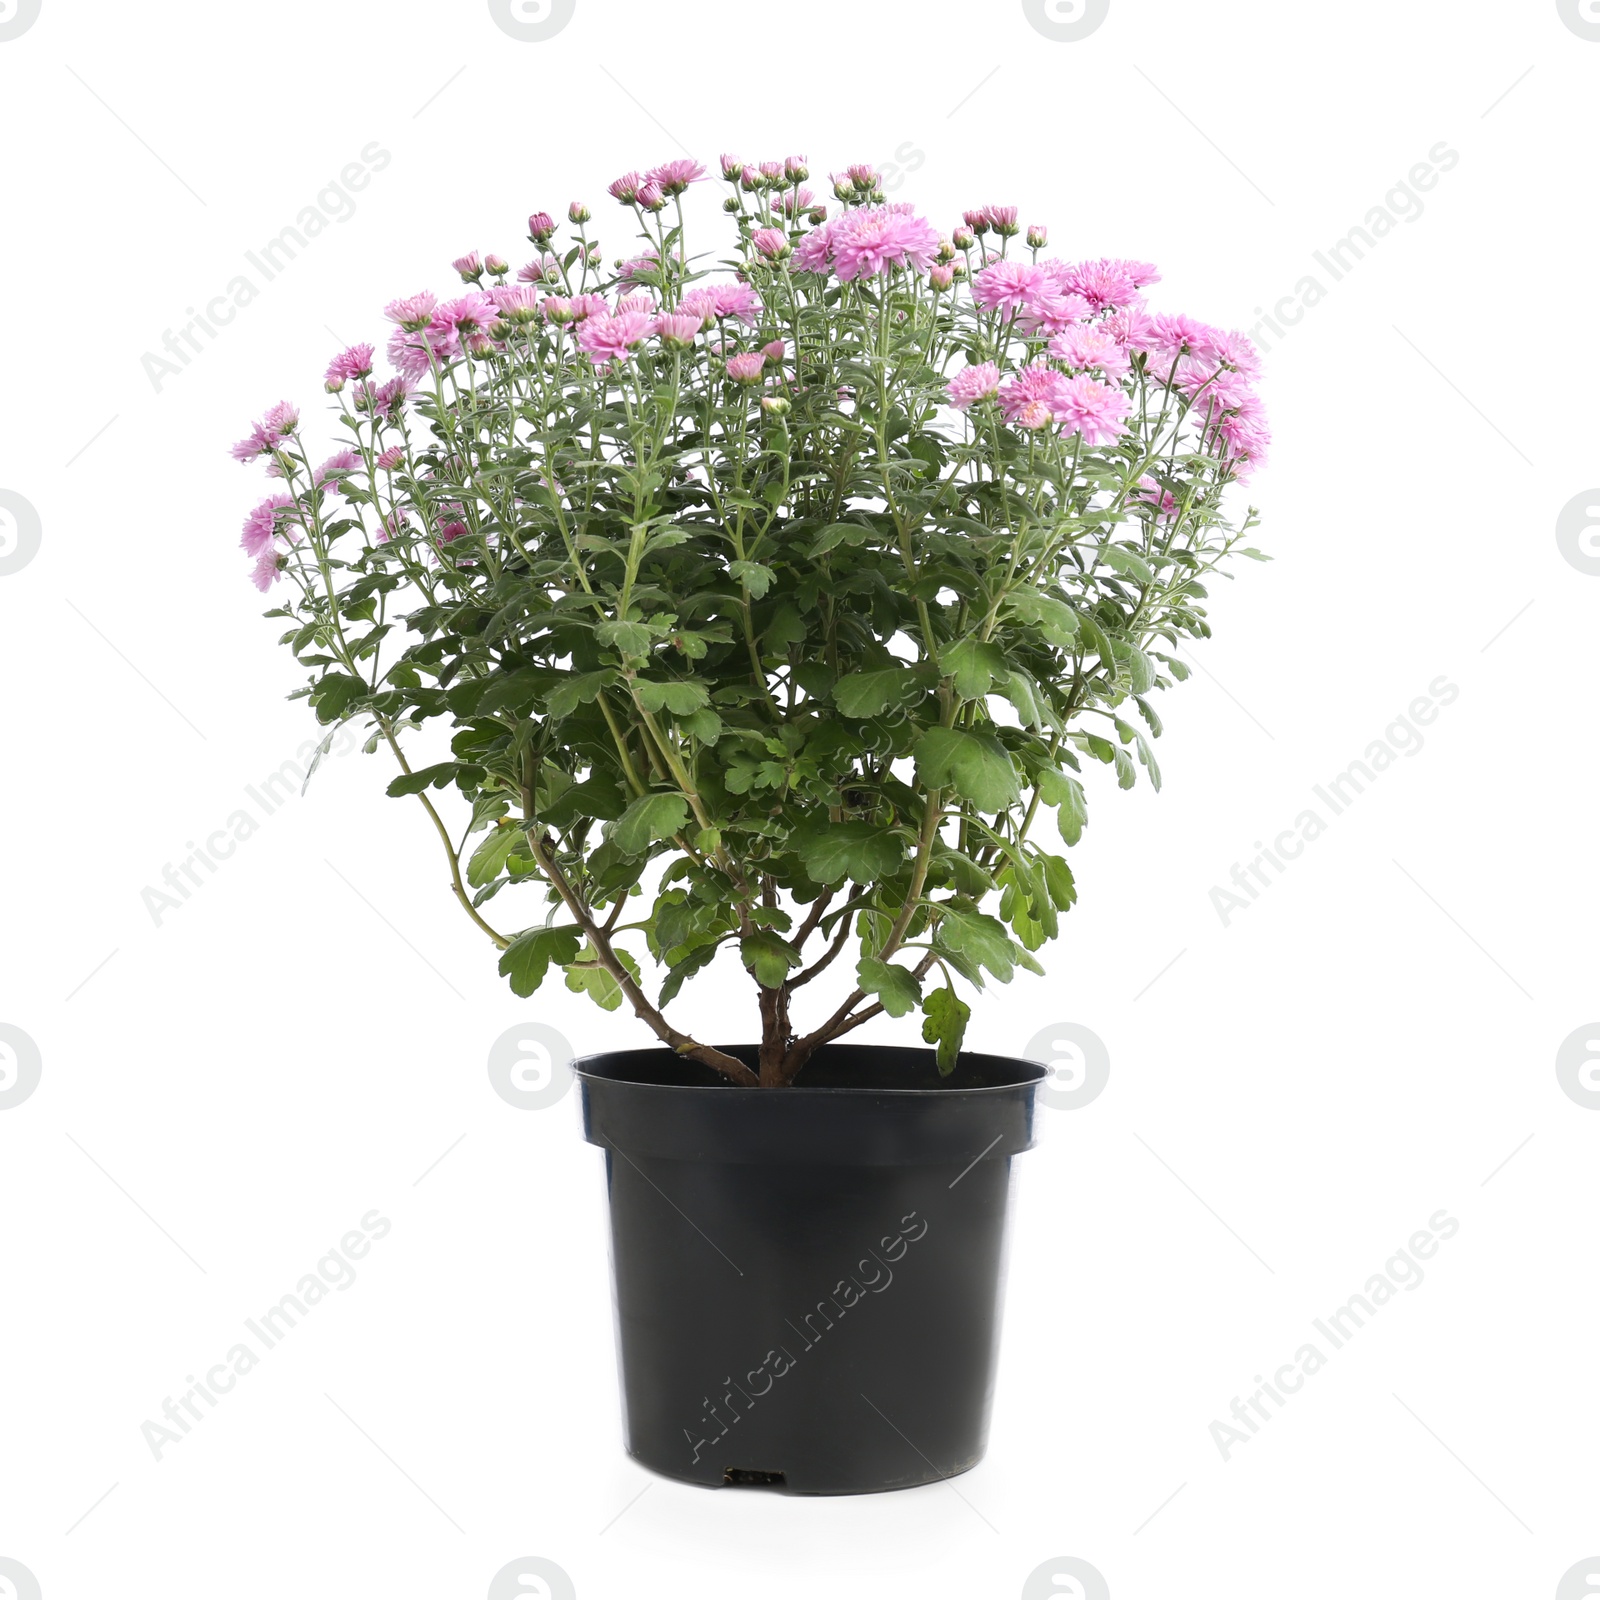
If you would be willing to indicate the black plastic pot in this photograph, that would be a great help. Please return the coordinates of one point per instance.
(808, 1279)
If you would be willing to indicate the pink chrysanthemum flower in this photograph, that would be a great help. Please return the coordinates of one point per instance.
(267, 434)
(470, 266)
(1167, 336)
(395, 526)
(609, 338)
(1085, 345)
(356, 362)
(795, 167)
(1052, 304)
(732, 167)
(651, 197)
(793, 200)
(1212, 388)
(723, 300)
(746, 368)
(588, 305)
(626, 188)
(391, 458)
(1107, 284)
(1234, 350)
(770, 242)
(262, 523)
(1003, 219)
(811, 254)
(1028, 398)
(773, 351)
(1084, 405)
(470, 313)
(414, 354)
(673, 177)
(635, 302)
(268, 569)
(1006, 285)
(941, 275)
(973, 384)
(331, 474)
(865, 243)
(518, 303)
(413, 311)
(864, 175)
(544, 269)
(677, 329)
(542, 227)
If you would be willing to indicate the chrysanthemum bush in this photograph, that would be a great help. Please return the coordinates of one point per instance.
(765, 605)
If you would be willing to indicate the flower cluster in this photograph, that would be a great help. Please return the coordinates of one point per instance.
(647, 534)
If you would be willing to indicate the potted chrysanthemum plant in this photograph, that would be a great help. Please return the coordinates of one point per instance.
(754, 614)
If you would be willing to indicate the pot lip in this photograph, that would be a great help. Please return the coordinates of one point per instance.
(1031, 1073)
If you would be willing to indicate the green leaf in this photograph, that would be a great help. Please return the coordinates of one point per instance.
(526, 960)
(1058, 881)
(578, 690)
(434, 777)
(489, 859)
(1065, 793)
(653, 816)
(944, 1023)
(837, 533)
(590, 978)
(753, 575)
(628, 638)
(332, 695)
(973, 666)
(870, 694)
(769, 957)
(681, 696)
(1056, 620)
(975, 765)
(855, 850)
(982, 938)
(1127, 563)
(896, 987)
(1142, 671)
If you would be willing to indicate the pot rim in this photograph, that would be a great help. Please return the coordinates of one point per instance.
(1030, 1072)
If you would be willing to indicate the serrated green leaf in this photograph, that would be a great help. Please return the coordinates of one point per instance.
(653, 816)
(527, 959)
(753, 576)
(896, 987)
(944, 1023)
(770, 958)
(841, 850)
(976, 765)
(681, 696)
(870, 694)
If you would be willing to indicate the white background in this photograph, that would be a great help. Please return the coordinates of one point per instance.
(1291, 1095)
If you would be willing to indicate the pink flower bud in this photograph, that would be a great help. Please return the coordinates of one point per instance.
(746, 368)
(1038, 236)
(578, 213)
(470, 266)
(541, 227)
